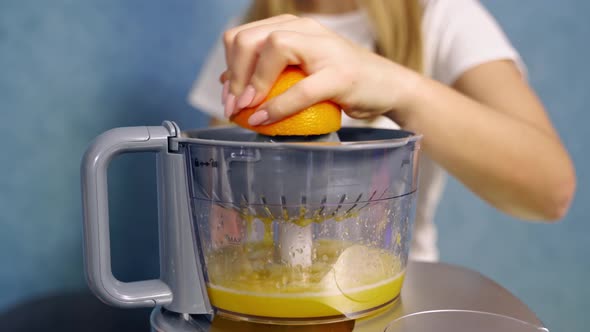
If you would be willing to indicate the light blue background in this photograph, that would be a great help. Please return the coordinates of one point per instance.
(71, 69)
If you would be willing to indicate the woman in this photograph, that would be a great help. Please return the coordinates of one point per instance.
(441, 68)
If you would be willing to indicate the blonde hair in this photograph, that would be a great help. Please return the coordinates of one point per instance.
(397, 24)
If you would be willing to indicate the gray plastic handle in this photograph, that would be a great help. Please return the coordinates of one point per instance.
(97, 249)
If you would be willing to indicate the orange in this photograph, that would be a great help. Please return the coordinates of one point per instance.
(318, 119)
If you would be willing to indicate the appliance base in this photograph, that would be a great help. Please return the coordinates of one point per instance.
(429, 288)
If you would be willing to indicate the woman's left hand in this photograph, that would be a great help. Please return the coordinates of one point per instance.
(338, 70)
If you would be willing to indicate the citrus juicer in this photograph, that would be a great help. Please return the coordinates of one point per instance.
(295, 235)
(270, 230)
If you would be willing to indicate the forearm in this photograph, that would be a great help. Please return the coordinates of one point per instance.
(513, 165)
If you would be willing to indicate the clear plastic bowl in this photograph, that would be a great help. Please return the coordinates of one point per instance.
(299, 233)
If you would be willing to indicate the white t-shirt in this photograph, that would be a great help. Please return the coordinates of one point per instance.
(458, 35)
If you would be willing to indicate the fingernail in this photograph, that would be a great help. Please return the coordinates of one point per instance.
(246, 98)
(230, 104)
(258, 118)
(225, 92)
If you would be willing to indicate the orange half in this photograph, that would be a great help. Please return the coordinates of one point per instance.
(318, 119)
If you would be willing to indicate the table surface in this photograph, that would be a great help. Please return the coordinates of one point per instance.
(428, 287)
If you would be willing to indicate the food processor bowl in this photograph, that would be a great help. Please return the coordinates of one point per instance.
(302, 232)
(274, 230)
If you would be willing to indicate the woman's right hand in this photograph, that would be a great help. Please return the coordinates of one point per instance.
(493, 108)
(363, 83)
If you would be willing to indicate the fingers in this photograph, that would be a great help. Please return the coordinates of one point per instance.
(307, 92)
(229, 35)
(281, 49)
(241, 44)
(244, 45)
(224, 77)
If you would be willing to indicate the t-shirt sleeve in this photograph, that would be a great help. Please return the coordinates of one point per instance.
(461, 35)
(205, 94)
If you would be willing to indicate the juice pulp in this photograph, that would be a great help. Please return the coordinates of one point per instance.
(344, 279)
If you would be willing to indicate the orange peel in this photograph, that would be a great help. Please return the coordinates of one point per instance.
(321, 118)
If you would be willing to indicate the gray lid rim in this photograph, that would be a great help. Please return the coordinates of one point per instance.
(345, 146)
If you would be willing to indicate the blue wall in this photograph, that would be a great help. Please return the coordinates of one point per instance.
(70, 70)
(546, 265)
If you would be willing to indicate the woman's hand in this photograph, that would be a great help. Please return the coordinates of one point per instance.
(363, 83)
(489, 129)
